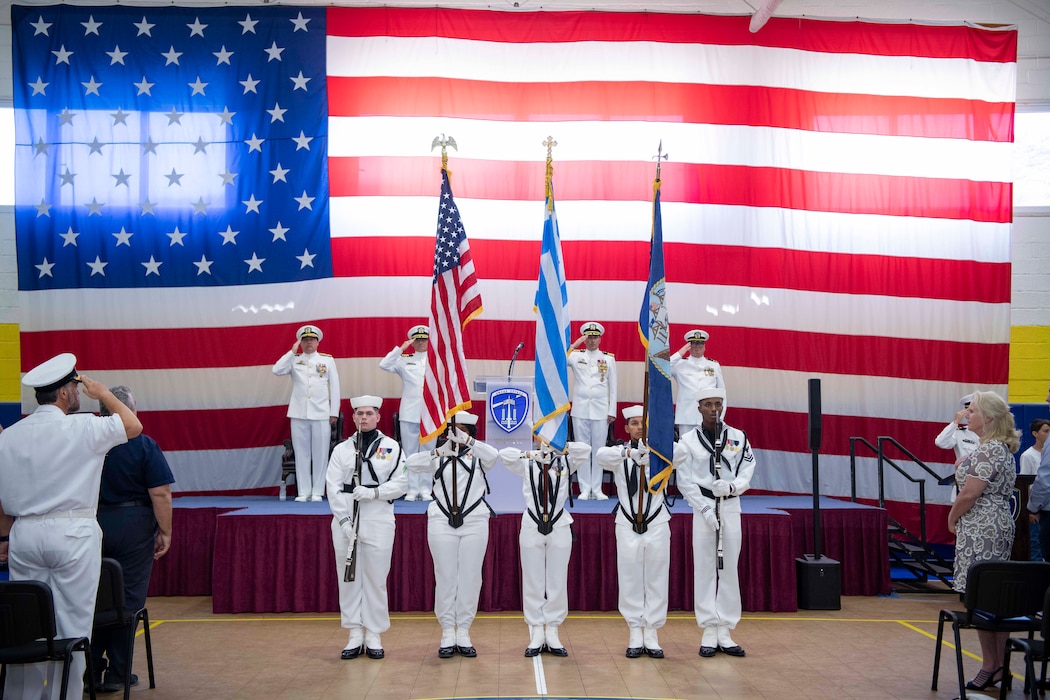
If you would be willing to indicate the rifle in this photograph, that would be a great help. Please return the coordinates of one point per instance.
(716, 468)
(350, 572)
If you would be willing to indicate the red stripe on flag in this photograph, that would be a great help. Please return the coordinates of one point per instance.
(772, 268)
(737, 185)
(672, 102)
(828, 36)
(904, 358)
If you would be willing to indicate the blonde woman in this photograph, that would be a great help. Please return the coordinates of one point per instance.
(980, 516)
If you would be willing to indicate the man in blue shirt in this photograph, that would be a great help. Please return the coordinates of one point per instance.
(1039, 499)
(134, 512)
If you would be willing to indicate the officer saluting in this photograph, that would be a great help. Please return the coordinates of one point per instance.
(313, 409)
(50, 471)
(412, 368)
(643, 540)
(360, 494)
(693, 372)
(593, 402)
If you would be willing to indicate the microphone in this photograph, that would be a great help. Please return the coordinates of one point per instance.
(513, 359)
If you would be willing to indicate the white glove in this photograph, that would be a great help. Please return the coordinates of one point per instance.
(348, 530)
(639, 455)
(708, 514)
(460, 437)
(721, 488)
(540, 456)
(446, 449)
(364, 493)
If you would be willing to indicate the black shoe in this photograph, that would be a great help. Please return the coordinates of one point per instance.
(446, 652)
(112, 684)
(985, 679)
(348, 654)
(469, 652)
(375, 653)
(532, 651)
(735, 650)
(555, 651)
(634, 652)
(654, 653)
(708, 652)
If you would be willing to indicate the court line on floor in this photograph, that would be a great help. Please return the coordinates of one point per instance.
(541, 679)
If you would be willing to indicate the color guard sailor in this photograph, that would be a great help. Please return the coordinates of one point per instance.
(412, 368)
(715, 464)
(693, 372)
(643, 540)
(593, 403)
(545, 539)
(361, 495)
(50, 471)
(313, 409)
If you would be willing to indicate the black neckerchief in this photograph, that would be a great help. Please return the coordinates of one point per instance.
(630, 475)
(540, 515)
(455, 517)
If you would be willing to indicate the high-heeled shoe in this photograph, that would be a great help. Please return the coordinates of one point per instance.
(985, 679)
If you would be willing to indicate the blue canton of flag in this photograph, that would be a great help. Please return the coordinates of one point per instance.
(552, 336)
(653, 327)
(167, 147)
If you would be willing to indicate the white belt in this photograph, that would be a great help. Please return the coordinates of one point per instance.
(68, 514)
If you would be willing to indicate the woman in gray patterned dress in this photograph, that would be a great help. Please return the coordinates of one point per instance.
(980, 516)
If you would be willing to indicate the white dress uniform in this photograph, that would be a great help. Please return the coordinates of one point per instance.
(593, 403)
(412, 370)
(458, 535)
(363, 602)
(643, 550)
(958, 438)
(716, 592)
(693, 374)
(50, 471)
(545, 539)
(315, 399)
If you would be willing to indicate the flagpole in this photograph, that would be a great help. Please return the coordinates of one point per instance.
(660, 158)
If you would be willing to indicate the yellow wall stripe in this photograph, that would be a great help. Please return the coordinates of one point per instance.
(10, 363)
(1029, 363)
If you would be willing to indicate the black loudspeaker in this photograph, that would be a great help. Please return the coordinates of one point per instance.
(819, 583)
(815, 429)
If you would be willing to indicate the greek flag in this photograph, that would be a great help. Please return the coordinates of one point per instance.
(653, 328)
(552, 337)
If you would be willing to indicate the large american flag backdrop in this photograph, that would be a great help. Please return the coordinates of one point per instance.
(194, 184)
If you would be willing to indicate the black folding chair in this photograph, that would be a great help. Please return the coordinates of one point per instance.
(28, 629)
(111, 611)
(1000, 596)
(1033, 650)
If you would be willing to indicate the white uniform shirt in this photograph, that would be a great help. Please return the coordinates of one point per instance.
(692, 375)
(614, 459)
(315, 384)
(958, 438)
(53, 462)
(594, 393)
(444, 494)
(578, 454)
(412, 369)
(692, 461)
(386, 459)
(1030, 461)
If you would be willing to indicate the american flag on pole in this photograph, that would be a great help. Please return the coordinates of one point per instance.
(840, 207)
(455, 301)
(552, 335)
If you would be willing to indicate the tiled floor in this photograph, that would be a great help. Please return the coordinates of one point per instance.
(872, 648)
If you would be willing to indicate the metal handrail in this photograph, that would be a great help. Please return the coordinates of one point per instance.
(882, 440)
(853, 464)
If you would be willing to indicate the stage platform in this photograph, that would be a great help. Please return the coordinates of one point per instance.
(259, 554)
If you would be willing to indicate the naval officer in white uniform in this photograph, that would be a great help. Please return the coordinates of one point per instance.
(50, 471)
(313, 409)
(412, 368)
(361, 498)
(593, 403)
(693, 372)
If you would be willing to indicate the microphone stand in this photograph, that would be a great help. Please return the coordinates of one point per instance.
(513, 359)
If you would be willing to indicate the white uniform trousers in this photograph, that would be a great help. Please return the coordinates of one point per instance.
(593, 433)
(419, 483)
(363, 602)
(310, 441)
(66, 554)
(458, 555)
(544, 574)
(716, 593)
(643, 564)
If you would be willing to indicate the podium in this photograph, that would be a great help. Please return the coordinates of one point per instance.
(508, 423)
